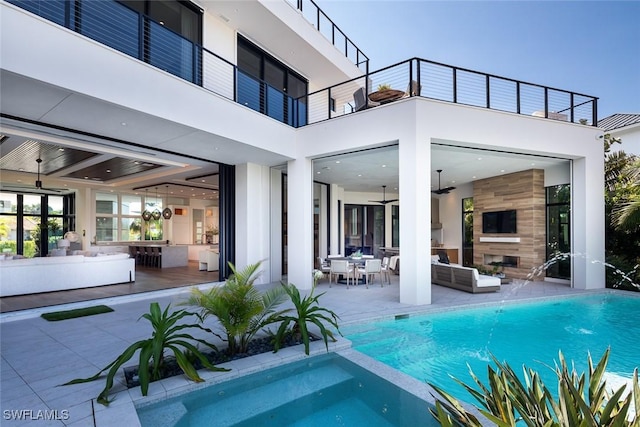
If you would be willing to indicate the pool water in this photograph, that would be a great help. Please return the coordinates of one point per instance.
(326, 390)
(432, 347)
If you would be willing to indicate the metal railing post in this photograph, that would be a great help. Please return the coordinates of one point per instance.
(488, 89)
(518, 98)
(455, 85)
(546, 103)
(571, 102)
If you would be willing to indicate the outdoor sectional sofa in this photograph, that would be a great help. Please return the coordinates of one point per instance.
(47, 274)
(463, 278)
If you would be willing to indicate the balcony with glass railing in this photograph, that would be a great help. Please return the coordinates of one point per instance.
(121, 28)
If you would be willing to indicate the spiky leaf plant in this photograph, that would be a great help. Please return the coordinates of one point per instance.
(506, 401)
(240, 308)
(167, 335)
(307, 310)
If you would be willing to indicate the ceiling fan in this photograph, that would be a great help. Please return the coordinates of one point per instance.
(440, 190)
(39, 189)
(384, 200)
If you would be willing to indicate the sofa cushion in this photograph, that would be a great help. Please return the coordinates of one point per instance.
(484, 281)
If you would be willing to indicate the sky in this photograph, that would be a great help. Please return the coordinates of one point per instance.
(588, 47)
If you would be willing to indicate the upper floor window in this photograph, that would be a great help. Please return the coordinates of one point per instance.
(267, 85)
(180, 17)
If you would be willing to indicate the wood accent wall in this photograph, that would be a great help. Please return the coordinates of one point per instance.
(523, 191)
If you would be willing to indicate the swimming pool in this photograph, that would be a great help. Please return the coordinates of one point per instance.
(325, 390)
(430, 347)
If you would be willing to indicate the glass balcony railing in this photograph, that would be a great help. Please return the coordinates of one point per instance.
(115, 25)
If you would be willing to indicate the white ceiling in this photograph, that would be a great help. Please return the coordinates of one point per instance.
(367, 171)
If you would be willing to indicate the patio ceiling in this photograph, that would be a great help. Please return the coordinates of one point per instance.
(369, 170)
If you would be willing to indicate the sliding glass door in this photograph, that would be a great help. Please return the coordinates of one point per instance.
(363, 229)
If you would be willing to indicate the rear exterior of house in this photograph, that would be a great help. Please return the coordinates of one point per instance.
(265, 90)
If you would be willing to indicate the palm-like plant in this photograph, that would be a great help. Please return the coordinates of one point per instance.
(507, 400)
(166, 335)
(626, 210)
(307, 310)
(240, 308)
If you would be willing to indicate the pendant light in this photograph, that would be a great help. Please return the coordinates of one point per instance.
(146, 215)
(166, 212)
(156, 214)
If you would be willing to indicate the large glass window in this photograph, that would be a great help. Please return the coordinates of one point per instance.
(119, 218)
(29, 229)
(558, 230)
(268, 86)
(395, 226)
(363, 229)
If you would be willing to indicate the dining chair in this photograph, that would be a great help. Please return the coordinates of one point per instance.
(371, 267)
(324, 265)
(340, 267)
(384, 268)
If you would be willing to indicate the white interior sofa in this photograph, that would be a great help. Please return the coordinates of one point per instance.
(463, 278)
(58, 273)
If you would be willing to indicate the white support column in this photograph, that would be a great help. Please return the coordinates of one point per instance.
(337, 222)
(323, 219)
(252, 218)
(276, 225)
(587, 223)
(300, 223)
(414, 156)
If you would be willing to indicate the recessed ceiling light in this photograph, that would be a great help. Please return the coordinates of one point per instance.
(479, 158)
(384, 166)
(337, 161)
(501, 170)
(135, 162)
(453, 182)
(474, 177)
(123, 123)
(60, 149)
(86, 177)
(19, 180)
(203, 180)
(533, 164)
(359, 174)
(21, 169)
(318, 173)
(108, 170)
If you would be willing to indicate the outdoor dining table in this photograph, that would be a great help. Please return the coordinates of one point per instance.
(357, 262)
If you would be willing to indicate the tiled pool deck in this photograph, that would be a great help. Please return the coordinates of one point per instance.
(38, 356)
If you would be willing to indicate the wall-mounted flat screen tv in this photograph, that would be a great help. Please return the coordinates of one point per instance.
(499, 222)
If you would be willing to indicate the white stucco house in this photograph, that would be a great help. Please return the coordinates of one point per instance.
(626, 127)
(252, 116)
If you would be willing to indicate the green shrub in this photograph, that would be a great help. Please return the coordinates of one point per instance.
(239, 307)
(507, 400)
(622, 273)
(166, 335)
(307, 310)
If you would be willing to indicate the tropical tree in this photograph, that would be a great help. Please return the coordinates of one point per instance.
(622, 207)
